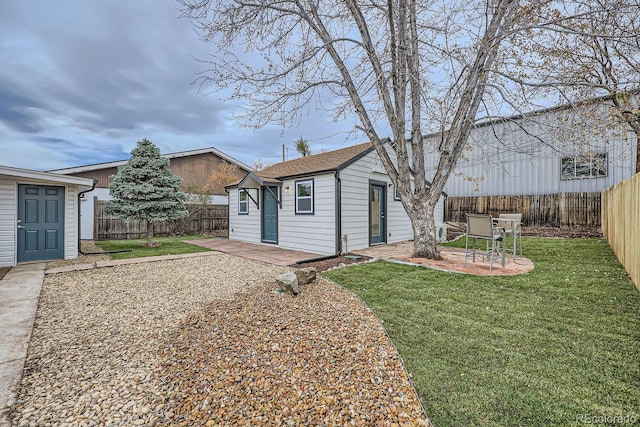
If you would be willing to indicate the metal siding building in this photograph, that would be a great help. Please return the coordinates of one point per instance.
(525, 155)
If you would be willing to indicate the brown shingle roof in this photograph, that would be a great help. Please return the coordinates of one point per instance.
(322, 162)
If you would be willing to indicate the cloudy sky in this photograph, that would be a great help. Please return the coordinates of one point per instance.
(82, 81)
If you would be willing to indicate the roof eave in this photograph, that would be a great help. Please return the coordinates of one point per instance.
(108, 165)
(45, 176)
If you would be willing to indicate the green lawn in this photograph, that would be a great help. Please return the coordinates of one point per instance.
(550, 347)
(170, 246)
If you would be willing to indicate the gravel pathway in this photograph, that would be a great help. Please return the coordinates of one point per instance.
(207, 341)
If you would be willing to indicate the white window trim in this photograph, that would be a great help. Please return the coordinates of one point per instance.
(574, 159)
(245, 202)
(311, 197)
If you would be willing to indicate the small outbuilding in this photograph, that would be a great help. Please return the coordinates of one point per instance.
(38, 215)
(328, 203)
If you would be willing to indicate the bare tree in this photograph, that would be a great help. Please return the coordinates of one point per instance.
(403, 66)
(599, 52)
(261, 164)
(225, 174)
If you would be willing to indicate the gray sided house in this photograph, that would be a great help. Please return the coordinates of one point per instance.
(38, 215)
(328, 203)
(577, 149)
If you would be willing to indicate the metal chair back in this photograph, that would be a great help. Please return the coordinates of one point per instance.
(481, 226)
(513, 224)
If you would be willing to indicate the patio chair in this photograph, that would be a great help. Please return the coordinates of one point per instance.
(511, 224)
(481, 226)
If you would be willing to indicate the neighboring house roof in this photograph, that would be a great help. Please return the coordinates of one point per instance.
(106, 165)
(316, 163)
(44, 176)
(489, 121)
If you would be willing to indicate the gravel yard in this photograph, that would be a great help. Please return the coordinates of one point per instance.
(207, 341)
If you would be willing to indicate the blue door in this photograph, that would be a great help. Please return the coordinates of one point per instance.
(269, 215)
(377, 207)
(40, 222)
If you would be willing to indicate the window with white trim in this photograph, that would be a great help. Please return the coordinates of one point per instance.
(592, 165)
(304, 196)
(396, 195)
(243, 202)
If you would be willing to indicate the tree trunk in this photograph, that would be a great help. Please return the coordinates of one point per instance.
(149, 233)
(424, 231)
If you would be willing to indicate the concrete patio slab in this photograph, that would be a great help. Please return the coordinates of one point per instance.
(19, 295)
(266, 253)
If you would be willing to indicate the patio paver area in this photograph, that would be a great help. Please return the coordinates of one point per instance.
(265, 253)
(452, 260)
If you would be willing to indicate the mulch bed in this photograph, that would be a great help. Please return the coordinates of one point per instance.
(268, 358)
(458, 229)
(3, 271)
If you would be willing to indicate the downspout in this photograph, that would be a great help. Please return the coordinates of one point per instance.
(338, 207)
(80, 194)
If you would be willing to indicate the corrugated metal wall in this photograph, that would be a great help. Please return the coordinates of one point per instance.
(523, 157)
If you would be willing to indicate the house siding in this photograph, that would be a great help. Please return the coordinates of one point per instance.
(70, 222)
(506, 160)
(8, 223)
(355, 204)
(245, 228)
(311, 233)
(87, 209)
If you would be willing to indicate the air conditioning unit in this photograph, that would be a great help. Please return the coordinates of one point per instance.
(441, 232)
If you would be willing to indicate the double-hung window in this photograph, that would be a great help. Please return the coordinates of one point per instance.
(304, 196)
(396, 195)
(584, 166)
(243, 202)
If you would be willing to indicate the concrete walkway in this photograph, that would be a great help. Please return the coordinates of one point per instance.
(19, 295)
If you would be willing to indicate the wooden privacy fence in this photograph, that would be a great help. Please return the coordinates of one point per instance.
(203, 219)
(621, 224)
(544, 210)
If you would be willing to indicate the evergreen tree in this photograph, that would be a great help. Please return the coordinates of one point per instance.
(145, 189)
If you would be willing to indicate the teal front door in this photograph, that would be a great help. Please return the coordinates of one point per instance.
(377, 207)
(40, 222)
(269, 215)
